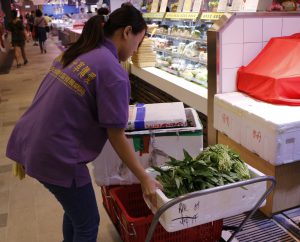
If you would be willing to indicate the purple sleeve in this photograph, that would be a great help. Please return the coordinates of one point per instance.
(113, 98)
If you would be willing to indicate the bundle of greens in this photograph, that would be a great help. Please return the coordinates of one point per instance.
(217, 165)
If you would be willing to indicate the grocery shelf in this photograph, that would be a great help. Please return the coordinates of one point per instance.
(178, 37)
(181, 56)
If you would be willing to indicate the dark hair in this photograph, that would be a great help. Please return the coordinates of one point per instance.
(122, 17)
(14, 14)
(93, 33)
(38, 13)
(102, 11)
(125, 4)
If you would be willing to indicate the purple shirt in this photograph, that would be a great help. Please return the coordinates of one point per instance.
(65, 127)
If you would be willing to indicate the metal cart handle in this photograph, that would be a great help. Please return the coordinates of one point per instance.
(174, 201)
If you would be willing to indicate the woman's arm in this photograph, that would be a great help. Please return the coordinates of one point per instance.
(124, 150)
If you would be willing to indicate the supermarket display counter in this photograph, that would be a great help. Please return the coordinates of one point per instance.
(189, 93)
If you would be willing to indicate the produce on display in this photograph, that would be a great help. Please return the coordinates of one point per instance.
(216, 166)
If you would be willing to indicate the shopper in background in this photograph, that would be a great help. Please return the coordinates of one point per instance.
(102, 11)
(40, 23)
(18, 37)
(30, 21)
(82, 102)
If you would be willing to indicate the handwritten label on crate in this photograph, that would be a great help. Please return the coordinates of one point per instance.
(211, 16)
(187, 16)
(187, 215)
(225, 119)
(154, 15)
(256, 135)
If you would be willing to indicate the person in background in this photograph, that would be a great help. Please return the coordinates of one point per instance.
(40, 23)
(103, 11)
(81, 103)
(32, 29)
(48, 19)
(2, 31)
(18, 37)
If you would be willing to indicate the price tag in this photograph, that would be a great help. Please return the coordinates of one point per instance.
(188, 16)
(154, 15)
(211, 16)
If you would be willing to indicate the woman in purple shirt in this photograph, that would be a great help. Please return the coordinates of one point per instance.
(82, 102)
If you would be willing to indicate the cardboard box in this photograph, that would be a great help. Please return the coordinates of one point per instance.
(156, 116)
(210, 207)
(152, 147)
(271, 131)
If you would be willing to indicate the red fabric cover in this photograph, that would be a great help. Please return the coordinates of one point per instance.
(274, 75)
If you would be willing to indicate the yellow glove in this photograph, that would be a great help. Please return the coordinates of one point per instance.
(18, 170)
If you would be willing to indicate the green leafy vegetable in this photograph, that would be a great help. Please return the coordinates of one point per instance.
(216, 166)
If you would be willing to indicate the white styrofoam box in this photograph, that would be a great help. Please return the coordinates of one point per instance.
(290, 26)
(227, 117)
(232, 55)
(272, 27)
(251, 50)
(152, 147)
(233, 34)
(229, 79)
(253, 30)
(210, 207)
(156, 115)
(271, 131)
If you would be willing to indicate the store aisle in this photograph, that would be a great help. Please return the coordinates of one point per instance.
(28, 212)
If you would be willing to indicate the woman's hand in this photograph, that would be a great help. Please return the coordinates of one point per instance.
(149, 186)
(125, 151)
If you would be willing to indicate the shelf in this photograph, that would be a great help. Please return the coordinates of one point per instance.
(203, 42)
(181, 56)
(153, 16)
(190, 93)
(181, 16)
(194, 80)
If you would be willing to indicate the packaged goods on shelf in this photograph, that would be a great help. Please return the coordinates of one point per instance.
(271, 131)
(145, 56)
(209, 207)
(152, 147)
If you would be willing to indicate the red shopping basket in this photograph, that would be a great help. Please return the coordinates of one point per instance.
(135, 218)
(108, 203)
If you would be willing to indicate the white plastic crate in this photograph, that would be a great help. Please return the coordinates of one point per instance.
(210, 207)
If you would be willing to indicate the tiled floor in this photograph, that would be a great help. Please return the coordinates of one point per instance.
(28, 212)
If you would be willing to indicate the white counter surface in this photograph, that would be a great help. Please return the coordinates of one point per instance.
(190, 93)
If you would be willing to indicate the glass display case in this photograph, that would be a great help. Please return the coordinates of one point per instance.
(180, 43)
